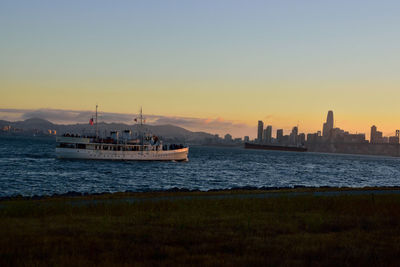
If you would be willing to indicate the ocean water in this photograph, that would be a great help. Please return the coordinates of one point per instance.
(28, 167)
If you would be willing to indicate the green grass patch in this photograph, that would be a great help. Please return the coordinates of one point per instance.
(283, 230)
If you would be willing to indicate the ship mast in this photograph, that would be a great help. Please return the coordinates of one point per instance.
(97, 133)
(141, 127)
(140, 121)
(141, 116)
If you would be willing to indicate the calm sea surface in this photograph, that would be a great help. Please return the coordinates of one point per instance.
(28, 167)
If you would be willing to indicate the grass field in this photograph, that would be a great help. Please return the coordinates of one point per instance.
(149, 229)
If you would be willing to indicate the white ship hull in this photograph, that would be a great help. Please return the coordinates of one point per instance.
(162, 155)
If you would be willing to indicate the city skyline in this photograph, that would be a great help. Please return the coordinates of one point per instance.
(212, 126)
(330, 131)
(226, 62)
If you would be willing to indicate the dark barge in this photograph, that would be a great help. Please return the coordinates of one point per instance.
(275, 147)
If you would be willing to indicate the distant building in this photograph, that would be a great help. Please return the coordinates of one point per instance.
(373, 134)
(293, 136)
(267, 135)
(301, 138)
(393, 140)
(328, 125)
(353, 138)
(279, 135)
(313, 137)
(260, 131)
(246, 138)
(337, 133)
(376, 136)
(214, 139)
(228, 138)
(237, 140)
(285, 140)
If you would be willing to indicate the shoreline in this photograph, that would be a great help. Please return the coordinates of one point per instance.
(239, 191)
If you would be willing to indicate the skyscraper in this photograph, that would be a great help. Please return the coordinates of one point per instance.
(376, 136)
(279, 135)
(295, 130)
(373, 134)
(294, 135)
(268, 134)
(328, 125)
(260, 131)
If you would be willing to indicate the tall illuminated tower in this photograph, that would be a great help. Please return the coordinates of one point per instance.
(328, 125)
(329, 120)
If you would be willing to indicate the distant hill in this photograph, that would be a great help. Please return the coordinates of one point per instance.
(33, 123)
(167, 132)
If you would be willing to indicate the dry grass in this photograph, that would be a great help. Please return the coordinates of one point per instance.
(284, 230)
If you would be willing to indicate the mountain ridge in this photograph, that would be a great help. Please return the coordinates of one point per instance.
(166, 131)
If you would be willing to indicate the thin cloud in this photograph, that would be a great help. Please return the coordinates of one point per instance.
(211, 125)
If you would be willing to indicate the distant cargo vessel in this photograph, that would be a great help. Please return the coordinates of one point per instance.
(275, 147)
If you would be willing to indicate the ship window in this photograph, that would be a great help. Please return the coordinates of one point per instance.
(66, 145)
(81, 146)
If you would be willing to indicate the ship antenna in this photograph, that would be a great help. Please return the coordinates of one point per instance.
(141, 116)
(97, 133)
(141, 127)
(140, 121)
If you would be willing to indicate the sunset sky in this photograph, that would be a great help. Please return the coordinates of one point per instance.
(220, 65)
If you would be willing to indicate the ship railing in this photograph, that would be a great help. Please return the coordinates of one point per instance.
(92, 144)
(123, 147)
(68, 139)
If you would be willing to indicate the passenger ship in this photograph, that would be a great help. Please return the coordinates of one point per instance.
(71, 146)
